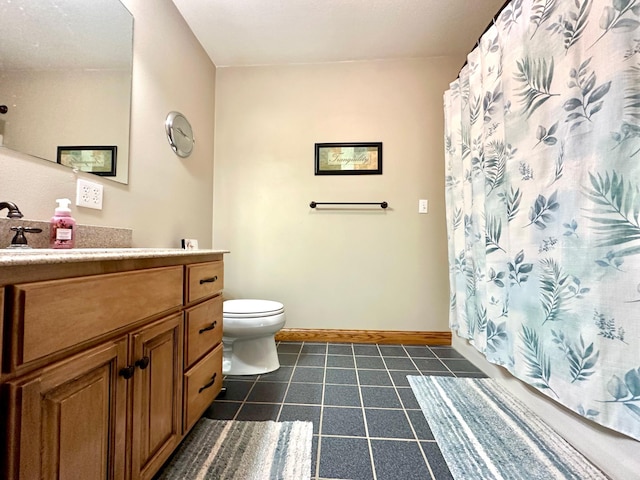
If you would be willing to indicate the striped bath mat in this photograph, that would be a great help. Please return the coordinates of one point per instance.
(234, 450)
(484, 432)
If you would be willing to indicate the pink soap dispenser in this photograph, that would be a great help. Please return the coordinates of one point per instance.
(62, 228)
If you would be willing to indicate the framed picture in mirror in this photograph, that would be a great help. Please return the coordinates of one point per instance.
(98, 160)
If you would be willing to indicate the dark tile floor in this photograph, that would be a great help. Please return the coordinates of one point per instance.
(367, 423)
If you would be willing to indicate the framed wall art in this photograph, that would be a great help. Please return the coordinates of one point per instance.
(348, 158)
(98, 160)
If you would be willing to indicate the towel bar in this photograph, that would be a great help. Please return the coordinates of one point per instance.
(382, 204)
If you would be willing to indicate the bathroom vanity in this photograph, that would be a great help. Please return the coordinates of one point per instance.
(109, 357)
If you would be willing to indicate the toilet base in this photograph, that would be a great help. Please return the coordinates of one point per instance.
(252, 356)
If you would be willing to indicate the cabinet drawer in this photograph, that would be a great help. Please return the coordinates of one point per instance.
(203, 329)
(204, 280)
(53, 315)
(201, 386)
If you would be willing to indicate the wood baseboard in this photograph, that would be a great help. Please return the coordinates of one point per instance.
(385, 337)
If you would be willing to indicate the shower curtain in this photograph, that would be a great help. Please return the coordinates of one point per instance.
(542, 144)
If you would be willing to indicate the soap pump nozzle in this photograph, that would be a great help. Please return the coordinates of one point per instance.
(63, 205)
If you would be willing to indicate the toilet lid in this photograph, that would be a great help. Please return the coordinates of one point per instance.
(251, 307)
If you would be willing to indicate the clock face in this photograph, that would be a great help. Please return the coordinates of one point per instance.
(179, 134)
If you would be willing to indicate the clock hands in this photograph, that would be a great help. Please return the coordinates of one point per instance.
(179, 130)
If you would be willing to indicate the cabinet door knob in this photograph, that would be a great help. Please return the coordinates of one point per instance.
(127, 372)
(211, 382)
(209, 280)
(142, 363)
(209, 327)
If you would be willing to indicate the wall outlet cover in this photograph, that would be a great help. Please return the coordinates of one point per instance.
(89, 194)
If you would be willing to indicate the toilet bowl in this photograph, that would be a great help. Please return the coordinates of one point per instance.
(248, 330)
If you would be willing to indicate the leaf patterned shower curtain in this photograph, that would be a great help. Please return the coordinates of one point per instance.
(543, 202)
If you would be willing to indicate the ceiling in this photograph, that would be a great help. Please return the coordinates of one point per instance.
(277, 32)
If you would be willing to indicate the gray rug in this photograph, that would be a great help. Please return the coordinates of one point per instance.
(234, 450)
(484, 432)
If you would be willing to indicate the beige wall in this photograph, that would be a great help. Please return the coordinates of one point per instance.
(45, 119)
(167, 198)
(350, 269)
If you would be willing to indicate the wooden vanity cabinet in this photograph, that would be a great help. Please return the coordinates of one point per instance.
(115, 406)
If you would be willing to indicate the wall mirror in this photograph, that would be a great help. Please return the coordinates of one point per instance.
(65, 78)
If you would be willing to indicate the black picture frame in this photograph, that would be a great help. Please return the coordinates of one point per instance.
(355, 158)
(100, 160)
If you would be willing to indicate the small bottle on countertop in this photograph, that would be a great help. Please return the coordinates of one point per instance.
(62, 228)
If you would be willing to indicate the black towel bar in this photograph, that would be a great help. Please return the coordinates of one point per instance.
(382, 204)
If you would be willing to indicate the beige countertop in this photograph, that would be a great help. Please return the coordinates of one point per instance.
(46, 256)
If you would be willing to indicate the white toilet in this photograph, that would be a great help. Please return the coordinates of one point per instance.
(248, 330)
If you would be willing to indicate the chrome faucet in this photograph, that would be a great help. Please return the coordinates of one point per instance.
(14, 211)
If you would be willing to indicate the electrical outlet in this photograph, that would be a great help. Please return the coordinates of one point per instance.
(89, 194)
(423, 206)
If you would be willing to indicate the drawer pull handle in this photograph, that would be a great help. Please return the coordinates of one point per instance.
(211, 382)
(142, 363)
(210, 327)
(209, 280)
(127, 372)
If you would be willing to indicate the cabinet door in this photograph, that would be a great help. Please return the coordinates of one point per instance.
(157, 394)
(68, 421)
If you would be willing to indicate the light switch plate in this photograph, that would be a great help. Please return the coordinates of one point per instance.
(89, 194)
(423, 206)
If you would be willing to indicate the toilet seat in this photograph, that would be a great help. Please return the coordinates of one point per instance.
(251, 308)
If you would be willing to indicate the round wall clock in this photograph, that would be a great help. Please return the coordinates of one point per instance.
(179, 134)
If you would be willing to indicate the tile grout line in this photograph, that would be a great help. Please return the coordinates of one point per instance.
(445, 365)
(424, 454)
(324, 379)
(284, 398)
(404, 409)
(293, 371)
(364, 414)
(244, 400)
